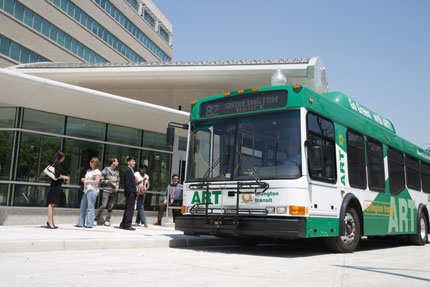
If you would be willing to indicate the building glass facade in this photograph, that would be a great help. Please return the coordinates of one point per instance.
(28, 17)
(30, 138)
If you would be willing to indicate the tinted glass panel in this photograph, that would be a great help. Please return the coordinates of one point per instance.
(155, 140)
(78, 155)
(36, 152)
(321, 133)
(7, 117)
(3, 194)
(396, 172)
(356, 160)
(6, 143)
(375, 165)
(124, 135)
(425, 176)
(413, 173)
(85, 129)
(158, 169)
(44, 122)
(320, 126)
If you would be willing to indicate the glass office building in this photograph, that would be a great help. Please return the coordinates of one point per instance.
(30, 138)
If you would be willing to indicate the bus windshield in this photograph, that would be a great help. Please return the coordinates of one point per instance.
(264, 146)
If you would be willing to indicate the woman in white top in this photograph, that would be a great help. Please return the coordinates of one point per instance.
(142, 185)
(91, 190)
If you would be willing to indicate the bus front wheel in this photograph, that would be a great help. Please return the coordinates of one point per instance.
(348, 241)
(421, 237)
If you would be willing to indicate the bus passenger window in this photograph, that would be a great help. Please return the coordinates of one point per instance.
(425, 176)
(375, 165)
(413, 173)
(356, 160)
(396, 171)
(321, 133)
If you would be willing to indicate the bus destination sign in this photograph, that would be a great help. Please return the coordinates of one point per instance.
(244, 103)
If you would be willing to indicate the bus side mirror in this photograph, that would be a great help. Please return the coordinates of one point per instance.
(170, 136)
(315, 154)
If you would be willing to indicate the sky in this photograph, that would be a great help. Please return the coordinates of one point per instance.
(376, 52)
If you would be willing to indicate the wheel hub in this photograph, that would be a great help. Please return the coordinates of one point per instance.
(350, 230)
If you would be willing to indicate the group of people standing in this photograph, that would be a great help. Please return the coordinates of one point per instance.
(136, 184)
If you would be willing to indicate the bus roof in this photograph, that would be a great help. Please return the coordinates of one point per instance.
(332, 105)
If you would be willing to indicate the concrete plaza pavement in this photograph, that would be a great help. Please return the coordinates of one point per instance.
(377, 263)
(36, 238)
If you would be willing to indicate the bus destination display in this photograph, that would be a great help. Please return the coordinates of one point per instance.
(244, 103)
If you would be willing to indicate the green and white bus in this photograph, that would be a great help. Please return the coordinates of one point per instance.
(286, 162)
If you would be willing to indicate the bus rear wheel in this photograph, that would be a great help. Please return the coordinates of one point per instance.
(421, 237)
(349, 241)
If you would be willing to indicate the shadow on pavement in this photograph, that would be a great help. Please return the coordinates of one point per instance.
(298, 248)
(384, 271)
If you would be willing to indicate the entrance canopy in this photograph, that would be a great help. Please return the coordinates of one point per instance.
(21, 90)
(175, 84)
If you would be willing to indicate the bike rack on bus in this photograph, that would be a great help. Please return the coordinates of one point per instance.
(217, 218)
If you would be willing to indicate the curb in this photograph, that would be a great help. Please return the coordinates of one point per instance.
(103, 244)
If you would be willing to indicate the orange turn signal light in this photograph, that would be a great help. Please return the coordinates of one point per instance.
(298, 210)
(311, 100)
(342, 192)
(183, 209)
(255, 89)
(240, 91)
(297, 86)
(388, 138)
(227, 94)
(192, 102)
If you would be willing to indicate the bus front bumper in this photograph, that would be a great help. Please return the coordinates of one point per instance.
(247, 226)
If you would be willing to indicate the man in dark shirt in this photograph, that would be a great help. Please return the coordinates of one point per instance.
(130, 195)
(173, 195)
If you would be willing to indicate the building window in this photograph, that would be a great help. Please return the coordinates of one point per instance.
(93, 26)
(78, 155)
(6, 143)
(396, 171)
(375, 165)
(149, 19)
(123, 135)
(43, 122)
(31, 19)
(85, 129)
(182, 144)
(155, 140)
(356, 160)
(36, 152)
(7, 117)
(133, 30)
(412, 173)
(425, 176)
(164, 34)
(3, 194)
(321, 133)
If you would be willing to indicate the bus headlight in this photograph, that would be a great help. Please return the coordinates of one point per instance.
(270, 210)
(281, 210)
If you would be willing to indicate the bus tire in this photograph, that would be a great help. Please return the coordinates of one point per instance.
(421, 237)
(348, 242)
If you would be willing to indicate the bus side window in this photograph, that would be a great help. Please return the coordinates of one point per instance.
(425, 176)
(375, 165)
(321, 133)
(396, 171)
(412, 173)
(356, 160)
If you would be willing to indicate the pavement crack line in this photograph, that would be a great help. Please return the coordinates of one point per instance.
(341, 276)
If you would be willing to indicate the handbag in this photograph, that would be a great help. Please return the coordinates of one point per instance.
(141, 190)
(50, 171)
